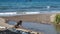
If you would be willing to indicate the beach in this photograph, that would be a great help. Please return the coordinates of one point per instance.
(39, 18)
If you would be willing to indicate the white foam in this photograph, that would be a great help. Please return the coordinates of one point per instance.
(32, 12)
(17, 13)
(8, 14)
(48, 7)
(2, 27)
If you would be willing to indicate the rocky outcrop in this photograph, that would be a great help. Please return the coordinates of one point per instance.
(52, 17)
(2, 20)
(3, 23)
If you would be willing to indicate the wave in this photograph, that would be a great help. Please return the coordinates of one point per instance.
(29, 7)
(7, 14)
(17, 13)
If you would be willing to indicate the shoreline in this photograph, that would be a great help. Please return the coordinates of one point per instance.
(23, 13)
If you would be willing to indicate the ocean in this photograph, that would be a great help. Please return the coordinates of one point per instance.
(42, 6)
(11, 7)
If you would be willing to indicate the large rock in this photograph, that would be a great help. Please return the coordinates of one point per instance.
(52, 17)
(2, 20)
(3, 23)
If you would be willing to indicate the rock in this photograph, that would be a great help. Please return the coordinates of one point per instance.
(2, 20)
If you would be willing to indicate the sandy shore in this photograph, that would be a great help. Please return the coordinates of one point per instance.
(39, 18)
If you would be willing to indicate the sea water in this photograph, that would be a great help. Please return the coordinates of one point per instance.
(14, 7)
(30, 6)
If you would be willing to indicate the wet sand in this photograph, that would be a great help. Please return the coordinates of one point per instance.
(39, 18)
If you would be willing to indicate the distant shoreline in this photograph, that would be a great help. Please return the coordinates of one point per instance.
(24, 13)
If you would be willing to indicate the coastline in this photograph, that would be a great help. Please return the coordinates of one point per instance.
(5, 14)
(44, 18)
